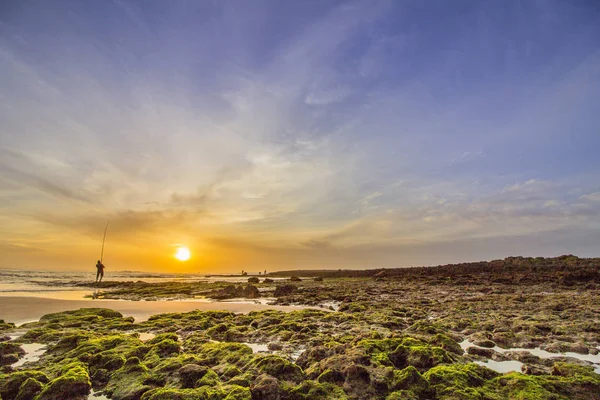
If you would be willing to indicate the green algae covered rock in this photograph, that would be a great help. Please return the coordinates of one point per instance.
(72, 383)
(526, 387)
(29, 389)
(451, 379)
(86, 314)
(212, 353)
(409, 379)
(228, 392)
(311, 390)
(446, 343)
(10, 352)
(10, 384)
(278, 367)
(130, 381)
(191, 373)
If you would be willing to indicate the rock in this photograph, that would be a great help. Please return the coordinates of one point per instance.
(479, 351)
(265, 387)
(71, 384)
(10, 353)
(232, 291)
(285, 290)
(563, 347)
(190, 373)
(274, 346)
(313, 355)
(268, 280)
(484, 343)
(9, 388)
(253, 279)
(318, 279)
(535, 370)
(29, 389)
(295, 279)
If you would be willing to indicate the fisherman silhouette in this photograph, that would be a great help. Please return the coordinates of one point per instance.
(100, 271)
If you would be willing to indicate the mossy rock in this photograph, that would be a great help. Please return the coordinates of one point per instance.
(409, 379)
(448, 379)
(10, 352)
(11, 383)
(421, 357)
(163, 336)
(5, 326)
(526, 387)
(402, 395)
(41, 335)
(29, 389)
(278, 367)
(446, 343)
(230, 392)
(82, 312)
(228, 352)
(191, 373)
(73, 382)
(130, 381)
(311, 390)
(210, 378)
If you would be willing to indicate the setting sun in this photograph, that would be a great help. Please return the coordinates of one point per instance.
(182, 253)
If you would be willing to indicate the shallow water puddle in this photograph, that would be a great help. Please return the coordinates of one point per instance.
(258, 347)
(592, 358)
(33, 352)
(332, 305)
(502, 366)
(95, 396)
(146, 336)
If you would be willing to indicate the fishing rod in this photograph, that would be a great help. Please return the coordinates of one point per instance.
(103, 240)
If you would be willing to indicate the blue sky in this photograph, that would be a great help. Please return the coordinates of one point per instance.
(311, 134)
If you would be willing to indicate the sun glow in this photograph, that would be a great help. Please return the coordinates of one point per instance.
(183, 253)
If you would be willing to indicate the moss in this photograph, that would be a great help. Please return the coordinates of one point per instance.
(73, 382)
(130, 381)
(279, 368)
(446, 343)
(447, 379)
(311, 390)
(41, 335)
(189, 374)
(230, 392)
(422, 357)
(402, 395)
(409, 379)
(213, 353)
(210, 378)
(244, 379)
(6, 326)
(82, 313)
(163, 336)
(10, 352)
(10, 384)
(165, 348)
(525, 387)
(331, 376)
(29, 389)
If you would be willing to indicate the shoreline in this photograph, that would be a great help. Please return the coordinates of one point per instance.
(23, 309)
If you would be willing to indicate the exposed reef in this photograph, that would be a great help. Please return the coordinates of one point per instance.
(461, 334)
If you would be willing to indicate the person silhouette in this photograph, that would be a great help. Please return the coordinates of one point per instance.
(100, 271)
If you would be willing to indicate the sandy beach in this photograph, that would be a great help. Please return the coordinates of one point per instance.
(21, 309)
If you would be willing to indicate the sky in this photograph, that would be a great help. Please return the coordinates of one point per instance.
(274, 135)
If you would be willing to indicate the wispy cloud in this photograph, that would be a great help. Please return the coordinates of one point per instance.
(376, 129)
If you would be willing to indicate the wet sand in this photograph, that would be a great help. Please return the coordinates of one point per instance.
(21, 309)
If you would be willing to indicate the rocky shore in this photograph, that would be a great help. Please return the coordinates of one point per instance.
(519, 328)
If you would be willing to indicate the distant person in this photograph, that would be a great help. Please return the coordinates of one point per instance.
(100, 271)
